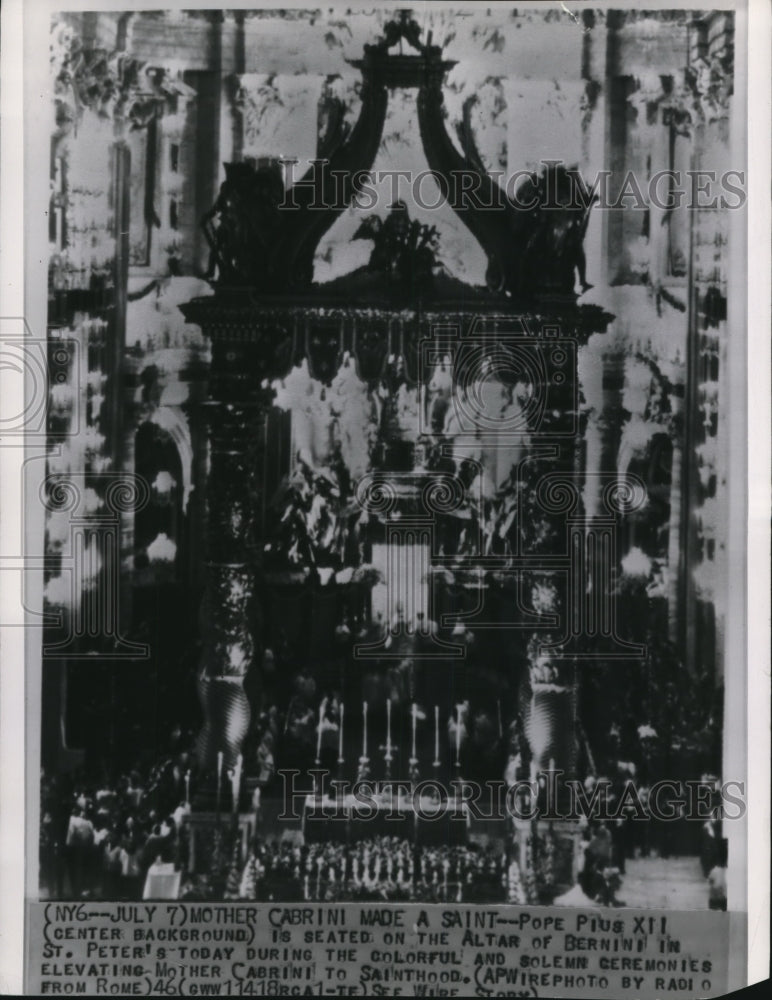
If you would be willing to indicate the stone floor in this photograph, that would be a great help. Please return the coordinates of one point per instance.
(669, 883)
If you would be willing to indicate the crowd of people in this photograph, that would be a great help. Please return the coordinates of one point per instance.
(386, 868)
(389, 867)
(98, 838)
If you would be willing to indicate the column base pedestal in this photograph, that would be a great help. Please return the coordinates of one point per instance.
(202, 830)
(554, 854)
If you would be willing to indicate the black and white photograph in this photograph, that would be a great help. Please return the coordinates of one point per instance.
(387, 498)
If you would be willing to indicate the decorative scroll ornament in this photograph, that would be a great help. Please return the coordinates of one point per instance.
(697, 95)
(710, 86)
(254, 104)
(113, 85)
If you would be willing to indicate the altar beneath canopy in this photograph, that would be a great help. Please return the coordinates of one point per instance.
(431, 554)
(420, 819)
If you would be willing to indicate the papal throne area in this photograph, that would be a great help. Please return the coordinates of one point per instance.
(386, 455)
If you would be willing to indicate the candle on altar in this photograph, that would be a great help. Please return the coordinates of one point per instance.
(236, 782)
(436, 734)
(219, 778)
(319, 730)
(364, 731)
(415, 719)
(340, 735)
(388, 729)
(187, 787)
(458, 734)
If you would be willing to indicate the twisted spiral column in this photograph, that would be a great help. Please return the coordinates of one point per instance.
(237, 411)
(228, 606)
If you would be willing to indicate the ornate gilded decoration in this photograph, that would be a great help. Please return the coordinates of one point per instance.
(265, 239)
(403, 249)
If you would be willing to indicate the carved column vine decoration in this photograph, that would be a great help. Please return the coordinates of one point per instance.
(243, 362)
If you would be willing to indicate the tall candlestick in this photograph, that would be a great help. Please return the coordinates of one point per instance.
(219, 779)
(388, 729)
(364, 731)
(340, 735)
(436, 735)
(319, 732)
(236, 782)
(458, 734)
(415, 719)
(187, 788)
